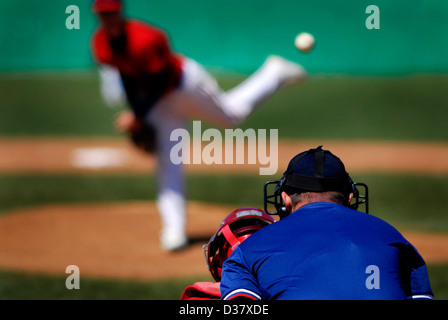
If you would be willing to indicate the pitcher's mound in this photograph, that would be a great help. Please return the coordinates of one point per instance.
(119, 240)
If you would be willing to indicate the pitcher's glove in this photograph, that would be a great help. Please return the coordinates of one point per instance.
(144, 137)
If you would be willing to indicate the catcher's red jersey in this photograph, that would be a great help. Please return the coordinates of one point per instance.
(202, 291)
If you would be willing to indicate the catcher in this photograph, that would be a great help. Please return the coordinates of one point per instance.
(163, 90)
(233, 230)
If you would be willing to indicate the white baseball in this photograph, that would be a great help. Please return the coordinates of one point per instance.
(304, 42)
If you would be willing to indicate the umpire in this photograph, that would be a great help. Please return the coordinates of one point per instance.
(323, 249)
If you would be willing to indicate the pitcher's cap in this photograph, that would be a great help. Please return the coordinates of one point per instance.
(107, 6)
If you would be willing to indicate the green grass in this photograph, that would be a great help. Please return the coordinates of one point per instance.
(31, 190)
(402, 108)
(411, 108)
(27, 286)
(408, 201)
(438, 277)
(39, 105)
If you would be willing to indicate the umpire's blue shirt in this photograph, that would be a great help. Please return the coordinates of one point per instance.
(326, 251)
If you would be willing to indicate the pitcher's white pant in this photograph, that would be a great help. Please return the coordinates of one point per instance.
(199, 97)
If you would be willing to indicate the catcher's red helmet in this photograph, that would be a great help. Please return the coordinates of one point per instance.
(107, 6)
(233, 230)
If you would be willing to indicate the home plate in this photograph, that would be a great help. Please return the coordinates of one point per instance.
(99, 158)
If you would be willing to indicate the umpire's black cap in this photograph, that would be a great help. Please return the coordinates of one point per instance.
(317, 170)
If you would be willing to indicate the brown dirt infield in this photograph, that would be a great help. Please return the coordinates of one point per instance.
(57, 155)
(120, 240)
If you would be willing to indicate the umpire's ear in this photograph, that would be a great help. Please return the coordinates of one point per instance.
(287, 201)
(350, 198)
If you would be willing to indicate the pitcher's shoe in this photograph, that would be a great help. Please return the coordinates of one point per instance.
(173, 241)
(289, 72)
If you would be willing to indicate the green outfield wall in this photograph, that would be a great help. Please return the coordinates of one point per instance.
(237, 35)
